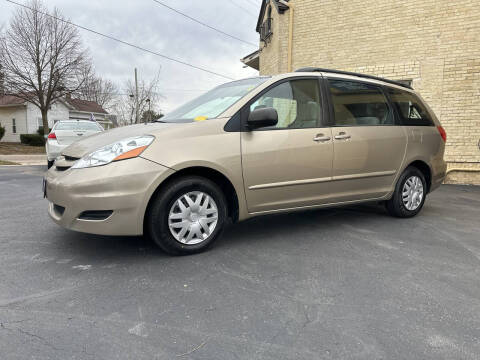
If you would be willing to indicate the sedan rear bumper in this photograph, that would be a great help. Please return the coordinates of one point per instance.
(54, 149)
(118, 192)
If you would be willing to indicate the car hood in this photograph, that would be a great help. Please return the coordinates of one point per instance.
(92, 143)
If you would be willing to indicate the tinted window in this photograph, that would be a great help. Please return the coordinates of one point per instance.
(297, 103)
(359, 104)
(410, 109)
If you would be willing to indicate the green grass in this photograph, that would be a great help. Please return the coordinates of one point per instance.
(3, 162)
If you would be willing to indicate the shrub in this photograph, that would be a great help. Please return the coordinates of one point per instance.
(2, 132)
(32, 139)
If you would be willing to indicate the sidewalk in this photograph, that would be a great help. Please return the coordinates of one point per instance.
(34, 159)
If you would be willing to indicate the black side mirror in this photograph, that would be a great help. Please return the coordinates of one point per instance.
(262, 117)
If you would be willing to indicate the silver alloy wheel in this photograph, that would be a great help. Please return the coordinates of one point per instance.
(193, 217)
(412, 193)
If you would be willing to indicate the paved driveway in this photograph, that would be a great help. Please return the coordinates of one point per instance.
(331, 284)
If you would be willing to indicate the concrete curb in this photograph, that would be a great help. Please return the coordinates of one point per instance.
(34, 159)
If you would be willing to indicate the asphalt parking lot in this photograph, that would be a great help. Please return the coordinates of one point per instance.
(328, 284)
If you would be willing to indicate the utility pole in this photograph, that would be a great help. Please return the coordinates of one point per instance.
(136, 97)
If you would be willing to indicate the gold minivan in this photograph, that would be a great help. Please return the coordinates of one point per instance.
(310, 139)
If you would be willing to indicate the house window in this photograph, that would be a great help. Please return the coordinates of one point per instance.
(14, 126)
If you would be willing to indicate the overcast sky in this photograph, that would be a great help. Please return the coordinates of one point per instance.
(147, 24)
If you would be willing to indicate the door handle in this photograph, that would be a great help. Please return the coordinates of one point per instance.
(342, 136)
(321, 138)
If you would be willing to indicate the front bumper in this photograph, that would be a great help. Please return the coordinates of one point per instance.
(124, 187)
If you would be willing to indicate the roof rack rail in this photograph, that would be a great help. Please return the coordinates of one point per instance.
(314, 69)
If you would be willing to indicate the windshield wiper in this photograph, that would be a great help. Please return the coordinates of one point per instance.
(160, 121)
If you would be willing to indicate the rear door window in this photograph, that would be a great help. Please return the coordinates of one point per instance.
(410, 108)
(359, 104)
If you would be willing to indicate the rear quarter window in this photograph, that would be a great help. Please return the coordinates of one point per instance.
(410, 109)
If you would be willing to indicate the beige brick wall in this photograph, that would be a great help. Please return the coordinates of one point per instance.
(435, 43)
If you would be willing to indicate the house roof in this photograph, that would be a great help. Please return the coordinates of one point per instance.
(10, 100)
(74, 104)
(86, 106)
(280, 6)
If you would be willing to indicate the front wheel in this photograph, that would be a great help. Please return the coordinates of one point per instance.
(409, 195)
(187, 216)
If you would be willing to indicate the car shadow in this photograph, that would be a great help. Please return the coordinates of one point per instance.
(264, 228)
(270, 228)
(107, 248)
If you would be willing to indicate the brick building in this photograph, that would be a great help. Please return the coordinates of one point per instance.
(432, 44)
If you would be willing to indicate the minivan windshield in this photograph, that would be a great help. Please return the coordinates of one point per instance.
(214, 102)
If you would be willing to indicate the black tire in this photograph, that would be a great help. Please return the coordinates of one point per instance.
(50, 163)
(395, 205)
(157, 217)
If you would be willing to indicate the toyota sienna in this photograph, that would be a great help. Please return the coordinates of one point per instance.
(310, 139)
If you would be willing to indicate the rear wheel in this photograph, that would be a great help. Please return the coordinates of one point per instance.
(187, 216)
(409, 195)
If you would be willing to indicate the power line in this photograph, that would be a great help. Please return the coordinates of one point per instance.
(125, 42)
(204, 24)
(244, 9)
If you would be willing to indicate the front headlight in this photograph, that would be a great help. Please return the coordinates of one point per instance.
(120, 150)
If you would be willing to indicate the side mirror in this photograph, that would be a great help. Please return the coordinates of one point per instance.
(262, 117)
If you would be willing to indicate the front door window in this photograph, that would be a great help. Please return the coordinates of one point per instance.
(297, 103)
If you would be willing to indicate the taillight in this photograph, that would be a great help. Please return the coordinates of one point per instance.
(52, 136)
(443, 133)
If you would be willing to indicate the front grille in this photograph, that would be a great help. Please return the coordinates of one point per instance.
(95, 214)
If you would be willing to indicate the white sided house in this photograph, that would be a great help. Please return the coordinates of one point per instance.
(20, 117)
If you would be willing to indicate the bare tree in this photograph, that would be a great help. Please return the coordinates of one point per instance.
(42, 56)
(125, 106)
(94, 88)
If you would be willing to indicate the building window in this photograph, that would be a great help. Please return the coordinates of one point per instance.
(14, 126)
(266, 28)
